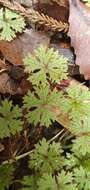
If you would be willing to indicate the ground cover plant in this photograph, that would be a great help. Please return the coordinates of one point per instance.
(49, 164)
(87, 2)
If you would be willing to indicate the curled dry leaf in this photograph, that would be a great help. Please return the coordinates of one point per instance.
(79, 32)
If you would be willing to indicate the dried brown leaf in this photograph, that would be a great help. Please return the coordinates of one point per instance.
(79, 32)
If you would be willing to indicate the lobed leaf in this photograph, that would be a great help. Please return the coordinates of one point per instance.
(41, 105)
(46, 65)
(46, 157)
(10, 119)
(10, 24)
(6, 176)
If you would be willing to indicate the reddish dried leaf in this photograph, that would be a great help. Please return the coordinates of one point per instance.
(8, 85)
(15, 51)
(79, 32)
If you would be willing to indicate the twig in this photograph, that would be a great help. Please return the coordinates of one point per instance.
(49, 22)
(36, 17)
(57, 135)
(2, 70)
(10, 161)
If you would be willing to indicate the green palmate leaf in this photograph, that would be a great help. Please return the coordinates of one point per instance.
(86, 162)
(6, 176)
(10, 122)
(71, 161)
(82, 178)
(74, 160)
(82, 145)
(77, 102)
(47, 182)
(46, 65)
(65, 181)
(77, 105)
(10, 24)
(80, 126)
(46, 157)
(42, 105)
(29, 182)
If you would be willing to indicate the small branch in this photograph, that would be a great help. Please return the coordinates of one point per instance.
(35, 17)
(49, 22)
(10, 161)
(57, 135)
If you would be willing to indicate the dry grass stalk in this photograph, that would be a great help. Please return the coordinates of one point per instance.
(48, 22)
(36, 17)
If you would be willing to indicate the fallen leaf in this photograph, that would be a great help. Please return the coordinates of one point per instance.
(25, 43)
(79, 32)
(10, 86)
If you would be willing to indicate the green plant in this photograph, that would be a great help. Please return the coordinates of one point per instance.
(87, 2)
(6, 176)
(46, 68)
(46, 65)
(82, 178)
(52, 165)
(10, 24)
(41, 105)
(10, 119)
(46, 157)
(65, 177)
(75, 103)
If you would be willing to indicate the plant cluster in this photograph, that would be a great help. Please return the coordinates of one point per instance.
(52, 171)
(6, 176)
(52, 167)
